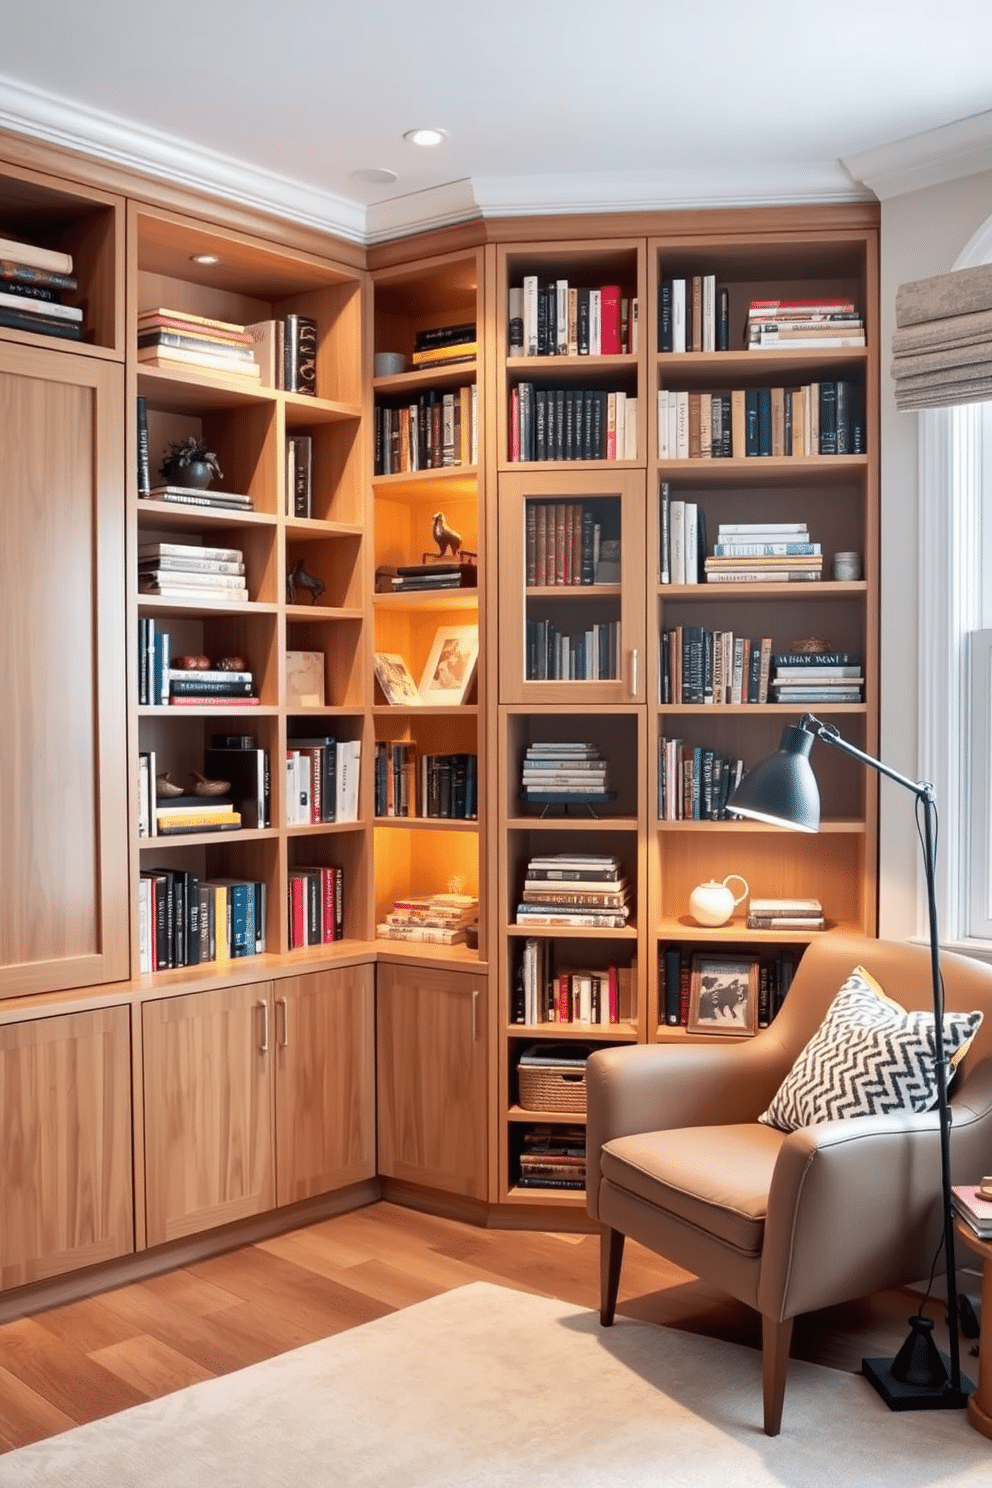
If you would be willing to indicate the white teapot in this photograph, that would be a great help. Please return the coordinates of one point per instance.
(713, 903)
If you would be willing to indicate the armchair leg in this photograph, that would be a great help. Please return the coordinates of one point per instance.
(610, 1261)
(776, 1339)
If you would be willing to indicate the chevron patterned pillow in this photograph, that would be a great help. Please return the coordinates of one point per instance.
(868, 1057)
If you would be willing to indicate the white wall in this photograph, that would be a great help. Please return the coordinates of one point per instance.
(922, 233)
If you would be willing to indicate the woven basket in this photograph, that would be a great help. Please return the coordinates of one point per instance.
(550, 1089)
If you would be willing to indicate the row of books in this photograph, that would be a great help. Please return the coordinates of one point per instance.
(827, 677)
(438, 430)
(184, 920)
(693, 314)
(565, 543)
(597, 896)
(564, 770)
(545, 993)
(438, 346)
(167, 681)
(33, 283)
(552, 1156)
(299, 475)
(571, 424)
(562, 319)
(174, 570)
(675, 967)
(803, 325)
(315, 905)
(591, 655)
(432, 919)
(444, 786)
(695, 783)
(763, 553)
(713, 666)
(322, 778)
(818, 418)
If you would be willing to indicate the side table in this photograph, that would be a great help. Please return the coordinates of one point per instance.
(980, 1401)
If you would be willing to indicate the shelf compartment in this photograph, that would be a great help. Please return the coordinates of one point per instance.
(431, 860)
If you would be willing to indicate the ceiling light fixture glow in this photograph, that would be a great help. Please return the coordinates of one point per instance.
(205, 258)
(426, 137)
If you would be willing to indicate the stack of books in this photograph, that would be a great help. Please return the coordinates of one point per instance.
(191, 689)
(827, 677)
(437, 919)
(175, 815)
(191, 571)
(580, 889)
(553, 1156)
(417, 576)
(564, 771)
(785, 914)
(32, 281)
(177, 339)
(808, 325)
(763, 552)
(441, 345)
(976, 1212)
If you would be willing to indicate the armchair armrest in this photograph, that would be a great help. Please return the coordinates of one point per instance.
(854, 1206)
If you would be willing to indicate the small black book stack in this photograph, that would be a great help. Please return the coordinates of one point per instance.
(32, 283)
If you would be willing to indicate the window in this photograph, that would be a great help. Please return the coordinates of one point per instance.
(980, 847)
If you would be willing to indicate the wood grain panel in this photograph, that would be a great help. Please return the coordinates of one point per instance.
(208, 1109)
(65, 1159)
(63, 768)
(432, 1078)
(325, 1083)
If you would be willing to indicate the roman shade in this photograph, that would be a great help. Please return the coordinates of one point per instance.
(942, 346)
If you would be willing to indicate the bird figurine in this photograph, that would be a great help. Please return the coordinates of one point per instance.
(447, 539)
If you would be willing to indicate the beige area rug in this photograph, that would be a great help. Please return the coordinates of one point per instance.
(485, 1387)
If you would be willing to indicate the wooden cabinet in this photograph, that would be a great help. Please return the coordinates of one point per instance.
(63, 767)
(255, 1096)
(324, 1028)
(432, 1077)
(65, 1159)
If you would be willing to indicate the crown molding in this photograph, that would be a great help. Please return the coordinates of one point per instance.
(963, 148)
(42, 116)
(421, 211)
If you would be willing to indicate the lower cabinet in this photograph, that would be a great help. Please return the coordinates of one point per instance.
(256, 1096)
(431, 1032)
(65, 1150)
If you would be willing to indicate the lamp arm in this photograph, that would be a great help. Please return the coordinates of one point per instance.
(828, 733)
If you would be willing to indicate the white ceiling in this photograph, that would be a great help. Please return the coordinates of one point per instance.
(562, 105)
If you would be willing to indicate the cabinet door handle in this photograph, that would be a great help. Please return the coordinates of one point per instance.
(475, 1014)
(265, 1026)
(284, 1040)
(633, 673)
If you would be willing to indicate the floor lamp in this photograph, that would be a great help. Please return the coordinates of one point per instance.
(782, 790)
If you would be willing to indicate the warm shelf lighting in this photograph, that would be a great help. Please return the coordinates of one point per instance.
(205, 258)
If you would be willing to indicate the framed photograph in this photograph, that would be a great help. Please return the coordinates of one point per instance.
(393, 676)
(723, 995)
(450, 667)
(305, 679)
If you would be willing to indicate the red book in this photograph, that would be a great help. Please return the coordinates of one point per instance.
(297, 911)
(609, 336)
(515, 424)
(614, 996)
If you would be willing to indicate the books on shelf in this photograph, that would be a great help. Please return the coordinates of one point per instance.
(436, 430)
(695, 782)
(439, 345)
(553, 1156)
(189, 570)
(785, 914)
(715, 667)
(816, 418)
(693, 314)
(32, 255)
(315, 902)
(566, 771)
(565, 424)
(194, 496)
(175, 338)
(322, 779)
(299, 354)
(775, 973)
(569, 543)
(32, 280)
(185, 920)
(436, 919)
(444, 786)
(597, 893)
(544, 992)
(588, 655)
(557, 318)
(810, 324)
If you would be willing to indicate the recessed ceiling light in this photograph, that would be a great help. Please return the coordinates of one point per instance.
(426, 137)
(374, 175)
(205, 258)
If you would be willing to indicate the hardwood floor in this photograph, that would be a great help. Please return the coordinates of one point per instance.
(90, 1358)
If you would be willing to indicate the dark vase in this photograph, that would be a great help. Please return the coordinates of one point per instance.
(197, 474)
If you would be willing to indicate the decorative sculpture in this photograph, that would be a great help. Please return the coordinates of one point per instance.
(299, 578)
(447, 539)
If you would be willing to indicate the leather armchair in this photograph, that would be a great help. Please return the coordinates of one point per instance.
(785, 1222)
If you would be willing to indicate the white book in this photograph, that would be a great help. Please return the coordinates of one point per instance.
(595, 322)
(664, 535)
(348, 763)
(709, 312)
(530, 314)
(630, 429)
(677, 531)
(620, 426)
(561, 317)
(35, 257)
(678, 315)
(663, 450)
(681, 425)
(745, 529)
(634, 326)
(145, 926)
(51, 308)
(691, 542)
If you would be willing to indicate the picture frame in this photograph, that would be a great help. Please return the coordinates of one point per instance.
(305, 679)
(723, 995)
(450, 666)
(393, 676)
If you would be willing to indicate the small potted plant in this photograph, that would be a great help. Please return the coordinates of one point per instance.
(189, 462)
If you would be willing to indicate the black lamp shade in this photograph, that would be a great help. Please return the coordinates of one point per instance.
(782, 789)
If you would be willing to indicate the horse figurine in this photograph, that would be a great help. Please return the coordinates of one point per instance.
(299, 578)
(446, 537)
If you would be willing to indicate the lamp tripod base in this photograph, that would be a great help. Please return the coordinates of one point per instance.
(919, 1377)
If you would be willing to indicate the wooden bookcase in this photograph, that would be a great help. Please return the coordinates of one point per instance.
(306, 1033)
